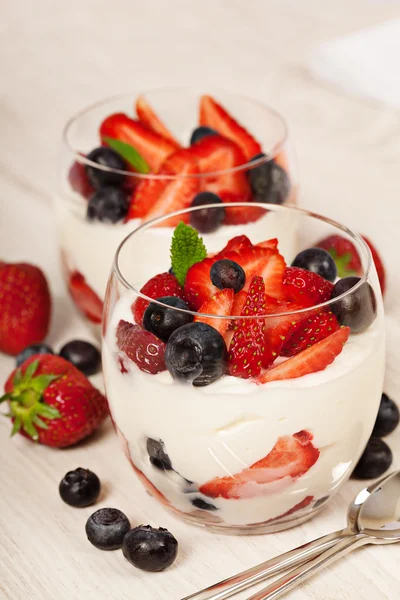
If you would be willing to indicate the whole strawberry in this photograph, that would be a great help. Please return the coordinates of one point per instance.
(52, 402)
(25, 306)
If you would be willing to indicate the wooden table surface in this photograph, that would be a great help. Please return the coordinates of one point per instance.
(56, 57)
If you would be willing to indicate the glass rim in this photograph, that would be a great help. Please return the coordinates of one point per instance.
(79, 157)
(275, 207)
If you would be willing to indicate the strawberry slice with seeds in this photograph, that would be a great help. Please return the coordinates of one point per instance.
(313, 359)
(164, 284)
(242, 214)
(85, 297)
(150, 119)
(198, 286)
(289, 459)
(141, 346)
(310, 331)
(268, 264)
(305, 288)
(213, 115)
(220, 305)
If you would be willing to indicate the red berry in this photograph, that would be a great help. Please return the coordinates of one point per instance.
(380, 269)
(309, 331)
(344, 253)
(164, 284)
(219, 305)
(148, 117)
(85, 297)
(141, 346)
(305, 288)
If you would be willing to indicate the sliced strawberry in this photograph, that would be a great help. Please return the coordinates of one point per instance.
(242, 214)
(268, 264)
(344, 253)
(310, 331)
(277, 331)
(290, 458)
(313, 359)
(79, 180)
(164, 284)
(141, 346)
(305, 288)
(380, 269)
(220, 305)
(215, 116)
(198, 285)
(153, 147)
(237, 243)
(148, 117)
(271, 244)
(238, 303)
(85, 297)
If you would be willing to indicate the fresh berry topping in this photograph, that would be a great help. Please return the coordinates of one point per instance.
(239, 300)
(163, 321)
(207, 220)
(152, 146)
(380, 269)
(388, 417)
(310, 331)
(203, 505)
(83, 355)
(106, 528)
(196, 353)
(313, 359)
(198, 286)
(291, 457)
(240, 215)
(219, 305)
(357, 309)
(52, 402)
(317, 261)
(25, 307)
(305, 288)
(215, 116)
(266, 263)
(105, 157)
(187, 248)
(148, 117)
(150, 549)
(201, 132)
(141, 346)
(278, 330)
(238, 243)
(85, 297)
(108, 205)
(271, 244)
(31, 351)
(80, 488)
(247, 345)
(158, 456)
(164, 284)
(344, 253)
(79, 181)
(375, 460)
(269, 182)
(227, 274)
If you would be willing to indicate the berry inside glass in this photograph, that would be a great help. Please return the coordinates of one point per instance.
(133, 158)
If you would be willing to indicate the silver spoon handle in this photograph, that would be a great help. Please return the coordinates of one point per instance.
(278, 564)
(298, 575)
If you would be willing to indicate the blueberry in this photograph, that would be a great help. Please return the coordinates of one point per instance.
(105, 157)
(106, 528)
(388, 417)
(109, 205)
(317, 261)
(80, 487)
(150, 549)
(203, 505)
(31, 350)
(269, 182)
(357, 310)
(163, 321)
(196, 353)
(83, 355)
(228, 274)
(207, 220)
(158, 457)
(201, 132)
(375, 460)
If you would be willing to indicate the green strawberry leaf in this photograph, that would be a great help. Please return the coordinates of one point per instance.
(129, 153)
(17, 377)
(16, 426)
(41, 382)
(47, 411)
(31, 370)
(187, 249)
(342, 263)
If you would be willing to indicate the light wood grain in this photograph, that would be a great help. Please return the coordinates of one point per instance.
(58, 56)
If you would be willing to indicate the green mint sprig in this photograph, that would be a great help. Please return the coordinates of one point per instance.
(187, 249)
(129, 153)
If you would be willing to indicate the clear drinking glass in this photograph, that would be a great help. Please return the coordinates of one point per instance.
(88, 246)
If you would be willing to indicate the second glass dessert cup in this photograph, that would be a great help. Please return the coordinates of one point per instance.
(237, 420)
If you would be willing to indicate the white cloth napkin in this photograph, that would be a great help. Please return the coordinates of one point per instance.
(365, 63)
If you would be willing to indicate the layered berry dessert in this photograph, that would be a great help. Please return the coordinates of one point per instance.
(140, 170)
(244, 390)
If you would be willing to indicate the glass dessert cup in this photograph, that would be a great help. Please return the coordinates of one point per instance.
(244, 454)
(88, 238)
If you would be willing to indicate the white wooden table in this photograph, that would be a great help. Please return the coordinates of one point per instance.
(58, 56)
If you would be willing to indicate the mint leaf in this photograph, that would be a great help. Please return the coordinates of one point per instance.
(129, 153)
(187, 249)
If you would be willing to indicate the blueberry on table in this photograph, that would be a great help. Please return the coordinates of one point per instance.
(106, 528)
(158, 457)
(269, 182)
(317, 261)
(201, 132)
(31, 351)
(196, 353)
(105, 157)
(388, 417)
(83, 355)
(150, 549)
(375, 460)
(228, 274)
(357, 309)
(207, 220)
(108, 205)
(80, 487)
(163, 321)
